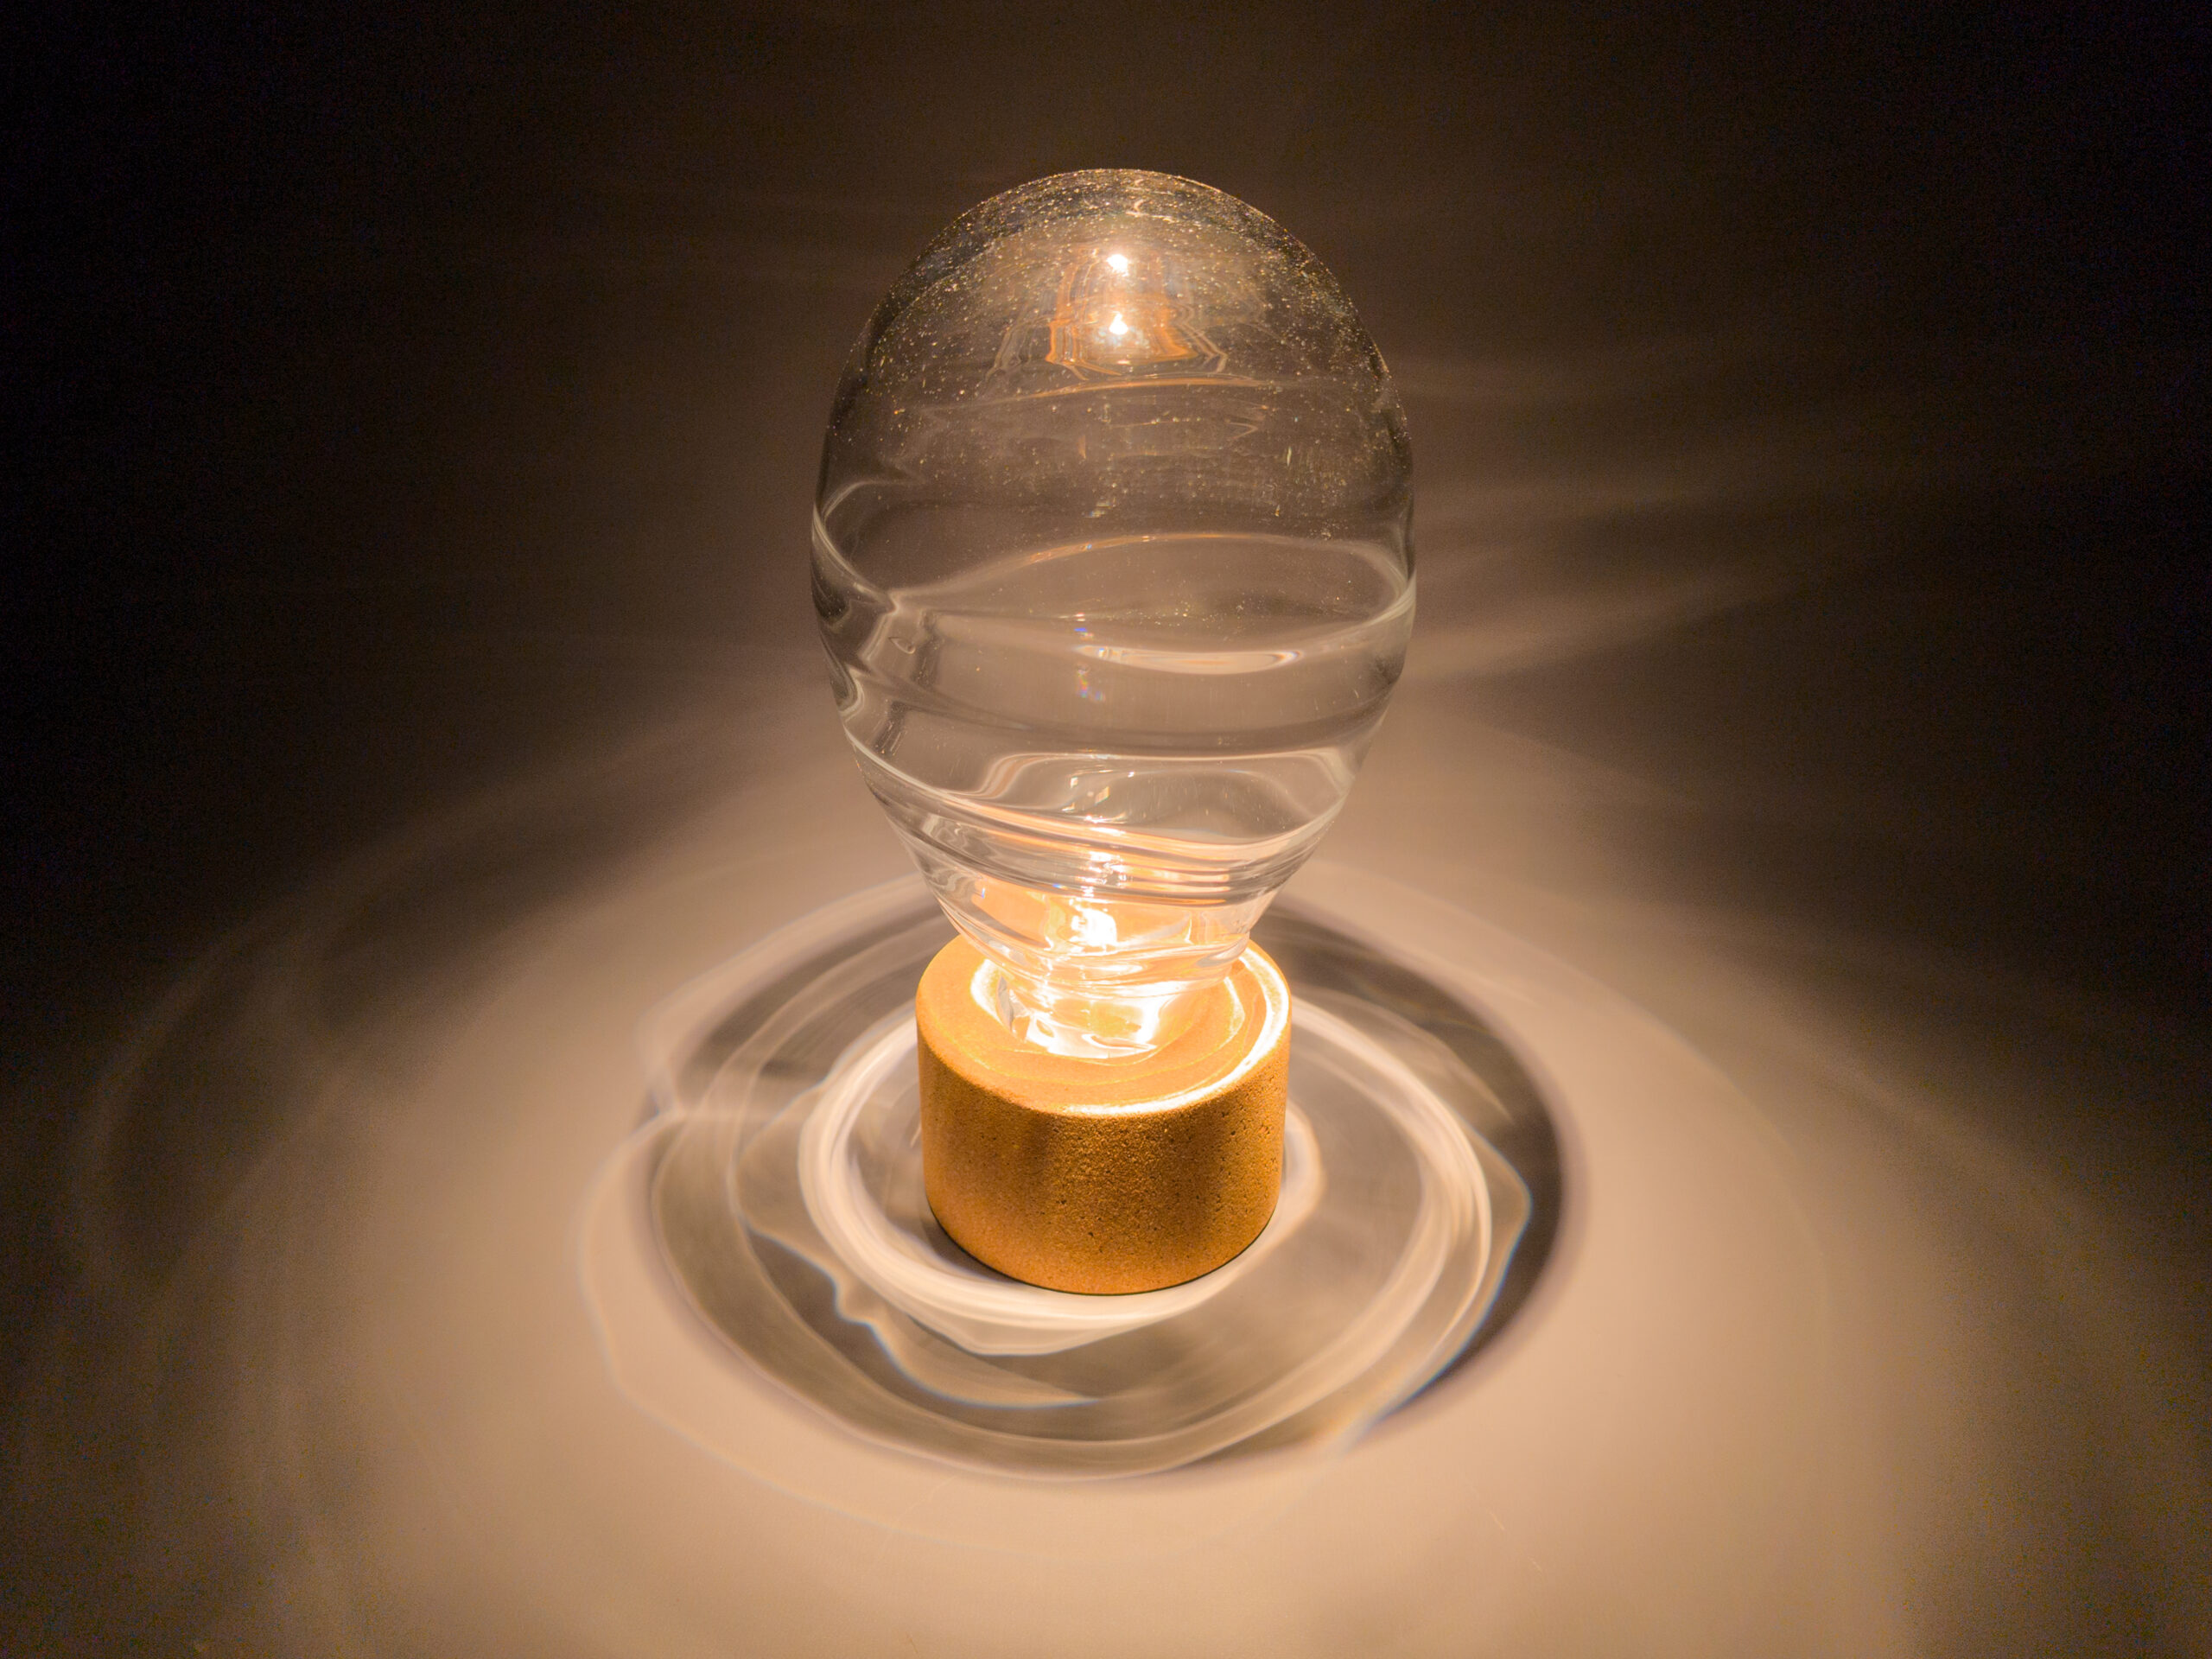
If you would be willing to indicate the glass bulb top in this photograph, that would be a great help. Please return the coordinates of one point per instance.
(1113, 560)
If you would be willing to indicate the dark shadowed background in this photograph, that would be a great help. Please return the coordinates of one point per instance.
(1809, 411)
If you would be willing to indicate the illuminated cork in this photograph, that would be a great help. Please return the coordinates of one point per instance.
(1099, 1175)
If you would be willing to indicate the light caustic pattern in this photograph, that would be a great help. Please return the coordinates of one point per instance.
(1819, 1363)
(787, 1154)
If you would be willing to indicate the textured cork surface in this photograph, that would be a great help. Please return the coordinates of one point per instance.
(1102, 1176)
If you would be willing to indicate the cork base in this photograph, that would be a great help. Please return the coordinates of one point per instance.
(1102, 1176)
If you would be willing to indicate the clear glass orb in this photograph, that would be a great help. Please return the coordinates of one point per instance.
(1113, 558)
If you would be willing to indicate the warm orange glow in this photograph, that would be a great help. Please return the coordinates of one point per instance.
(1114, 313)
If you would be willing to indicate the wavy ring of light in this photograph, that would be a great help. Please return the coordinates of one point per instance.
(982, 1312)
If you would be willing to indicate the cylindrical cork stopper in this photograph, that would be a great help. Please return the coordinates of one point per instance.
(1103, 1175)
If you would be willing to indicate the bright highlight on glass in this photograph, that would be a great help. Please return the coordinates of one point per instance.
(1112, 557)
